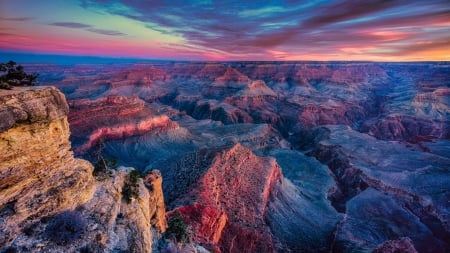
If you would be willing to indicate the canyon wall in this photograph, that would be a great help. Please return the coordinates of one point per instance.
(41, 181)
(278, 156)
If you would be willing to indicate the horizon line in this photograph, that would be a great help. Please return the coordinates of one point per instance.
(125, 59)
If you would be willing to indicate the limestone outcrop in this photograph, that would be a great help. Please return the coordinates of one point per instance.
(38, 174)
(40, 179)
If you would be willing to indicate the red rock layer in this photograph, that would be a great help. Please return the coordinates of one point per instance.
(113, 117)
(408, 128)
(232, 75)
(231, 202)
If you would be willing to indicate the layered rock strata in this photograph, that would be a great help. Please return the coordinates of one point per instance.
(38, 174)
(113, 117)
(379, 182)
(227, 210)
(40, 178)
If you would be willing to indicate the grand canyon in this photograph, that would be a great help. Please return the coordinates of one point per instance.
(225, 126)
(253, 156)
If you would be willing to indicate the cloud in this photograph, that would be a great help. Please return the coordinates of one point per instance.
(106, 32)
(253, 28)
(5, 34)
(70, 24)
(18, 19)
(420, 46)
(345, 10)
(430, 18)
(76, 25)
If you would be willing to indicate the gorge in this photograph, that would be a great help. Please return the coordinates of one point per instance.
(254, 156)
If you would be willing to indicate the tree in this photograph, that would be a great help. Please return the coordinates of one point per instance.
(101, 163)
(130, 189)
(177, 228)
(15, 76)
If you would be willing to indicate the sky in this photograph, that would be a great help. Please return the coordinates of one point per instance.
(369, 30)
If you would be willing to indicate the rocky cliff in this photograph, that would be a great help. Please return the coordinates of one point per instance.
(227, 208)
(113, 117)
(42, 184)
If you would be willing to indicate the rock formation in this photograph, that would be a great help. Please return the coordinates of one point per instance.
(113, 117)
(229, 205)
(386, 184)
(40, 180)
(39, 175)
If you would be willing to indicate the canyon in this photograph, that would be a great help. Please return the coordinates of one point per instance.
(254, 156)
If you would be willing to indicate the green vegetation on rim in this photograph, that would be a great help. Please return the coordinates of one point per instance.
(13, 75)
(130, 189)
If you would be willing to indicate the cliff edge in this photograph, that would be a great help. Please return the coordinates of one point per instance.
(45, 191)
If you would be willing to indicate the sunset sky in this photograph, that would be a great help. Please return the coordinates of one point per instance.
(236, 30)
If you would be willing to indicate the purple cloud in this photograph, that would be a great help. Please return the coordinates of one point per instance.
(18, 19)
(346, 10)
(245, 27)
(106, 32)
(70, 24)
(76, 25)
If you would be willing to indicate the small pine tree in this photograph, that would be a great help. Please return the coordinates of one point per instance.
(15, 76)
(101, 163)
(177, 228)
(130, 189)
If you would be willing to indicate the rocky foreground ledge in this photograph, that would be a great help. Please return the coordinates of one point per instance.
(42, 186)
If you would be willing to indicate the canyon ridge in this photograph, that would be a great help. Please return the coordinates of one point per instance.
(249, 156)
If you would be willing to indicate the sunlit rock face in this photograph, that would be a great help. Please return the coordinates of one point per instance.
(235, 192)
(38, 174)
(110, 223)
(356, 154)
(112, 118)
(40, 180)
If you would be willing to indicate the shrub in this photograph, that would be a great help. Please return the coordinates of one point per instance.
(131, 187)
(15, 76)
(66, 227)
(134, 176)
(177, 228)
(102, 164)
